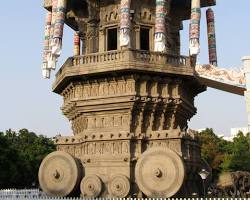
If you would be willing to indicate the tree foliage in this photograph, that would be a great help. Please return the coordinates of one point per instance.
(20, 156)
(238, 158)
(224, 155)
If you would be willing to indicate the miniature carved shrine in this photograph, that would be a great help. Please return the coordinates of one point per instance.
(129, 95)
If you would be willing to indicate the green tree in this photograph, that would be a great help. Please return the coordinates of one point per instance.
(238, 157)
(22, 153)
(224, 155)
(213, 149)
(8, 163)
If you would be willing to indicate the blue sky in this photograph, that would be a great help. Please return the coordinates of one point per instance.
(26, 99)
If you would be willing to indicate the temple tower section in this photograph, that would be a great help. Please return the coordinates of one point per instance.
(129, 96)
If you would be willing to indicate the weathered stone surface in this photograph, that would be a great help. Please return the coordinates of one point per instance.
(119, 186)
(59, 174)
(129, 108)
(160, 172)
(91, 186)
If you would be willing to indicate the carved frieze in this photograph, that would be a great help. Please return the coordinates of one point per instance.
(101, 122)
(151, 104)
(100, 88)
(97, 148)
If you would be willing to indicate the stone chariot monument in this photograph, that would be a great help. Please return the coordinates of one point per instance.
(129, 95)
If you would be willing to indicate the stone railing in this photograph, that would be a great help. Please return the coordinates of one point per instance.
(131, 55)
(160, 58)
(128, 59)
(95, 58)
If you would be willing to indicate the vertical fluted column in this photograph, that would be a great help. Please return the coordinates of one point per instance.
(194, 43)
(211, 37)
(162, 8)
(125, 23)
(45, 68)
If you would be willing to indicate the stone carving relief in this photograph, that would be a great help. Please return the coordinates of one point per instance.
(160, 103)
(79, 124)
(107, 88)
(107, 122)
(100, 89)
(144, 15)
(110, 15)
(157, 104)
(97, 148)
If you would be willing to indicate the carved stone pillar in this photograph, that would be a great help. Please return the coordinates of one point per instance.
(92, 37)
(93, 26)
(102, 36)
(137, 36)
(83, 41)
(82, 30)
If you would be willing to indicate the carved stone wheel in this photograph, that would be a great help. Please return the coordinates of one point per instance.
(91, 186)
(59, 174)
(159, 172)
(119, 186)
